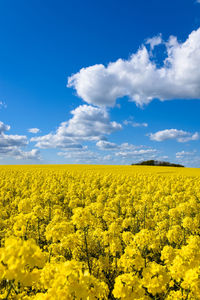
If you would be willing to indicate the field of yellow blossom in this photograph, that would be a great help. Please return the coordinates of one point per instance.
(99, 232)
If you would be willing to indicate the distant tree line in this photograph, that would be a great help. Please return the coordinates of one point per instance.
(157, 163)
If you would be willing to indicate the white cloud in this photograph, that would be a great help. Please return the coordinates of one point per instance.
(108, 157)
(85, 156)
(17, 153)
(140, 79)
(88, 123)
(155, 41)
(135, 124)
(4, 127)
(162, 158)
(106, 145)
(33, 130)
(32, 154)
(80, 156)
(56, 140)
(130, 147)
(134, 153)
(12, 140)
(10, 145)
(139, 124)
(2, 104)
(183, 153)
(188, 158)
(174, 134)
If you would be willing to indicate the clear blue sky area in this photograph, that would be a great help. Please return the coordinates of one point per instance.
(145, 106)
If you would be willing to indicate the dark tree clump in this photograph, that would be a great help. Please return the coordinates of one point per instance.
(157, 163)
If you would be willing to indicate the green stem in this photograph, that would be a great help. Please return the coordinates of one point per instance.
(49, 259)
(38, 229)
(49, 210)
(87, 252)
(25, 235)
(145, 208)
(9, 291)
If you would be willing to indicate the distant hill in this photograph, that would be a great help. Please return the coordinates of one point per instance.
(157, 163)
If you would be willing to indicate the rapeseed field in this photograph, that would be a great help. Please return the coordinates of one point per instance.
(99, 232)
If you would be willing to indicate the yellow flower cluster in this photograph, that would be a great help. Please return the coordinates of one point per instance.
(99, 232)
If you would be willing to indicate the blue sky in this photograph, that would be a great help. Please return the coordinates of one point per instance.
(110, 82)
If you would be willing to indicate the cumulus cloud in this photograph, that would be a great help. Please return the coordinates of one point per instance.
(108, 157)
(56, 140)
(183, 154)
(3, 127)
(140, 79)
(80, 156)
(85, 156)
(188, 158)
(106, 145)
(130, 147)
(18, 153)
(10, 145)
(88, 123)
(174, 134)
(32, 154)
(13, 140)
(163, 157)
(155, 41)
(2, 104)
(135, 156)
(33, 130)
(134, 153)
(135, 124)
